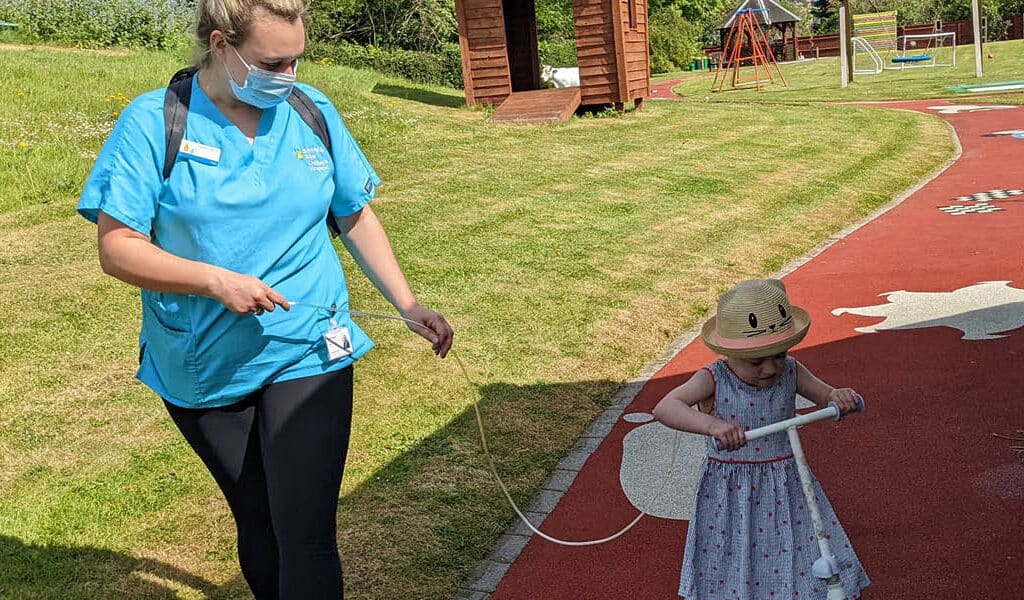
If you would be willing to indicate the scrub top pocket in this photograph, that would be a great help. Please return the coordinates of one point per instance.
(164, 344)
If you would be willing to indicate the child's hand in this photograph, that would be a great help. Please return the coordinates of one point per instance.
(729, 434)
(845, 399)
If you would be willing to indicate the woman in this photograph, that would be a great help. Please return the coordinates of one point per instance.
(264, 396)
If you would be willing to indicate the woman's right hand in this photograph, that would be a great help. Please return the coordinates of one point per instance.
(244, 294)
(730, 435)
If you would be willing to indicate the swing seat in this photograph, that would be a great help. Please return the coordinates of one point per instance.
(911, 59)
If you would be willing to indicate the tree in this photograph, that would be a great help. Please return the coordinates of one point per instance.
(908, 12)
(700, 12)
(674, 41)
(826, 16)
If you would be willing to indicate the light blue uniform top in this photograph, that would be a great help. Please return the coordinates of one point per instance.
(260, 210)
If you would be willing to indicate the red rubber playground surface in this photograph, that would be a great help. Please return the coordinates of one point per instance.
(932, 501)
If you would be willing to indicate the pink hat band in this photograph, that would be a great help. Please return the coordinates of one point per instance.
(756, 319)
(755, 341)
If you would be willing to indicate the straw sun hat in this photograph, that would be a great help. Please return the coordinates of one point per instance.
(755, 319)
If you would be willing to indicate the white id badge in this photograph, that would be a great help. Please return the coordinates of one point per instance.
(339, 342)
(199, 152)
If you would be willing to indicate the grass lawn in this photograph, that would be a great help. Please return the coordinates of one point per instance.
(567, 257)
(818, 80)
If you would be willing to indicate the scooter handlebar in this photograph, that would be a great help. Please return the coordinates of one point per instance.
(839, 415)
(830, 412)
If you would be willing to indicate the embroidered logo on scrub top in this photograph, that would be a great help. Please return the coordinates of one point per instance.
(315, 158)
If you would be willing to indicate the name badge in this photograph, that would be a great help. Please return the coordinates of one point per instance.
(200, 152)
(339, 342)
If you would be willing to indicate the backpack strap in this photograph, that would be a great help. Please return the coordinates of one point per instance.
(311, 115)
(176, 102)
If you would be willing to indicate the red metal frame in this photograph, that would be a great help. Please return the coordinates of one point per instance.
(743, 29)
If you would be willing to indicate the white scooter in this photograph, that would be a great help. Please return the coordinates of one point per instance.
(826, 567)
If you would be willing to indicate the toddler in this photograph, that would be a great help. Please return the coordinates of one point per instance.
(751, 535)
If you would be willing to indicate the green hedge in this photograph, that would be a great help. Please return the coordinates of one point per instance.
(158, 24)
(438, 68)
(557, 52)
(166, 24)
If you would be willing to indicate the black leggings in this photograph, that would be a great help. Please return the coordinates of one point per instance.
(278, 456)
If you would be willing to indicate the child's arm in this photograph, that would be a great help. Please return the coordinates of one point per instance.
(676, 410)
(821, 393)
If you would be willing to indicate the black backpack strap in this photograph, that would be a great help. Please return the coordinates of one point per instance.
(314, 117)
(176, 100)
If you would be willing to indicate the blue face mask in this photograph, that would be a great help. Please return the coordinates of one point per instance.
(262, 89)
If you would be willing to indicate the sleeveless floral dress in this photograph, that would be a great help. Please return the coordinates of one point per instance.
(751, 535)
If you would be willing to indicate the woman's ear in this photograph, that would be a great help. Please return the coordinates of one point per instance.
(218, 43)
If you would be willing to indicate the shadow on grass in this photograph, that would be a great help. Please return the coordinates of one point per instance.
(420, 95)
(442, 478)
(31, 571)
(448, 495)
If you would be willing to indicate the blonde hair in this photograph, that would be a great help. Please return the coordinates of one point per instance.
(235, 18)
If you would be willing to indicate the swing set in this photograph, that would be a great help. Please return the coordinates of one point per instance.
(876, 37)
(746, 35)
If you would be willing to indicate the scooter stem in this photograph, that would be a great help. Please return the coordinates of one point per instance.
(825, 568)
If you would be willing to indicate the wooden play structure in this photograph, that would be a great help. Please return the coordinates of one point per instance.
(501, 61)
(747, 45)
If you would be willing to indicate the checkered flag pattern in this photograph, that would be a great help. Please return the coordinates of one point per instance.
(989, 196)
(980, 203)
(980, 208)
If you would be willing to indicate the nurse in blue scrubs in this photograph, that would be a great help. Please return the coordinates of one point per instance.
(261, 390)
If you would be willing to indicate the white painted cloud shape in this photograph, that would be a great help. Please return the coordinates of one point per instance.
(954, 109)
(984, 311)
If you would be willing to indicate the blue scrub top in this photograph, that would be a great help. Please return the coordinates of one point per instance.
(257, 209)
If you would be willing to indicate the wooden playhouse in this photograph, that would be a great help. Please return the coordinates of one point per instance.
(501, 62)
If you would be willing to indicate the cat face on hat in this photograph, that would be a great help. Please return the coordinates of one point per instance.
(754, 319)
(763, 318)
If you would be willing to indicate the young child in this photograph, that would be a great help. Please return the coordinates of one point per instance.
(751, 536)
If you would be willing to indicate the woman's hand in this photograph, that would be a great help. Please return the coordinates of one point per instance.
(729, 434)
(243, 294)
(845, 399)
(437, 330)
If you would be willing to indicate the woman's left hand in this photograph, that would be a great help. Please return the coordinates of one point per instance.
(437, 330)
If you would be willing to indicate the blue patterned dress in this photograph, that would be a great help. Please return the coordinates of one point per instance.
(751, 535)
